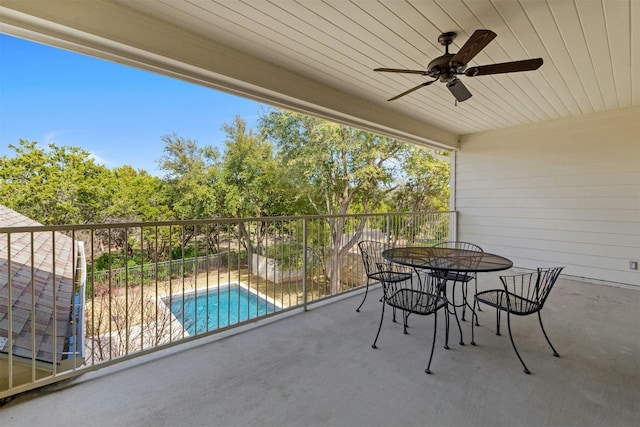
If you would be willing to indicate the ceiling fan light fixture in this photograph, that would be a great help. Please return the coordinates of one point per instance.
(459, 90)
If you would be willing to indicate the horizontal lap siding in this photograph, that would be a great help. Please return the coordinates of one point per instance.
(560, 193)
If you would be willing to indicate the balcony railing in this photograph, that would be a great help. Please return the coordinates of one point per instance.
(80, 297)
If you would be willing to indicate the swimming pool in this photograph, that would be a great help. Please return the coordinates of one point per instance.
(206, 311)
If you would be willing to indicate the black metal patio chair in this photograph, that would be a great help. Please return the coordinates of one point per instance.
(410, 293)
(463, 278)
(371, 252)
(522, 295)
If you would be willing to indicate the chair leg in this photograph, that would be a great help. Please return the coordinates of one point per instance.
(555, 353)
(497, 321)
(405, 321)
(366, 291)
(466, 303)
(474, 323)
(379, 327)
(475, 304)
(464, 300)
(433, 343)
(405, 317)
(455, 311)
(475, 279)
(446, 321)
(526, 370)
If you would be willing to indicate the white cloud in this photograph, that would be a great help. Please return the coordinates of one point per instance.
(100, 160)
(50, 137)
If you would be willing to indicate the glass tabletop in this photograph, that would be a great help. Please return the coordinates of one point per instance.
(447, 259)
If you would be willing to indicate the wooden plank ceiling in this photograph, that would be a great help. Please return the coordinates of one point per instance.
(318, 56)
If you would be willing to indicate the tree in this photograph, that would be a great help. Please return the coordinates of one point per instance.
(137, 196)
(251, 175)
(425, 187)
(253, 182)
(426, 183)
(61, 185)
(128, 319)
(191, 183)
(338, 168)
(190, 177)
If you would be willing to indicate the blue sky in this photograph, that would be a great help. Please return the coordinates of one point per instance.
(117, 113)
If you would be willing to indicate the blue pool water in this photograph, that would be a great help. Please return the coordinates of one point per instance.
(218, 308)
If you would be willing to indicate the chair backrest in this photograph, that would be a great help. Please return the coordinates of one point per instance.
(371, 252)
(546, 279)
(459, 245)
(533, 288)
(403, 289)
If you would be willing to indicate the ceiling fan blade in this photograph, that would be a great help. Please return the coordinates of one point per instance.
(478, 40)
(411, 90)
(505, 67)
(400, 70)
(459, 90)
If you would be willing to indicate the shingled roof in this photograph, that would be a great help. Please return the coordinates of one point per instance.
(38, 263)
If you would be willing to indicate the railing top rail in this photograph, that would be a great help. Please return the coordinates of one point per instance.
(40, 228)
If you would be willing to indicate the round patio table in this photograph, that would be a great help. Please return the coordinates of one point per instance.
(447, 265)
(447, 259)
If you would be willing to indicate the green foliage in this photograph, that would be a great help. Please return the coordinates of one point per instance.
(191, 177)
(343, 170)
(251, 176)
(338, 168)
(294, 165)
(426, 185)
(137, 196)
(58, 185)
(316, 167)
(188, 252)
(115, 260)
(287, 255)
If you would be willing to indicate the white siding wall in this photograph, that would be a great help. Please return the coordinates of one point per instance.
(561, 193)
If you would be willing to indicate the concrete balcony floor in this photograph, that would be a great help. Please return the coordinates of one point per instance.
(318, 369)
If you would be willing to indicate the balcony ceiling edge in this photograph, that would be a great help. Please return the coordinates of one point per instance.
(113, 32)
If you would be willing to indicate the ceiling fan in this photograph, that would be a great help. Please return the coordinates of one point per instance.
(447, 67)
